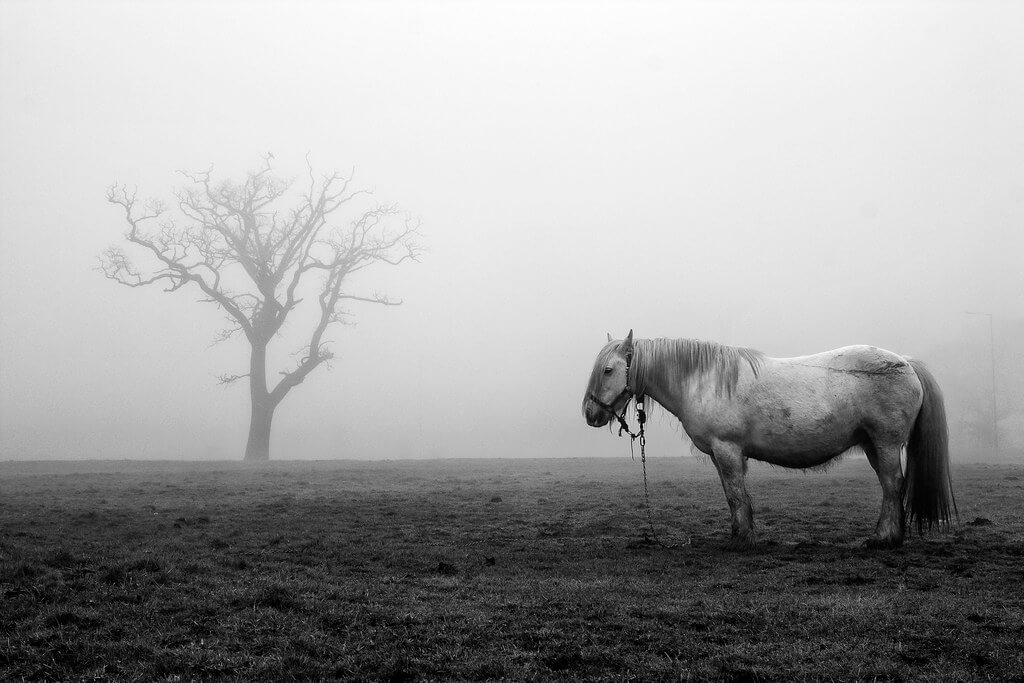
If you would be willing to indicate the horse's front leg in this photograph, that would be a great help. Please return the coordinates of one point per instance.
(732, 466)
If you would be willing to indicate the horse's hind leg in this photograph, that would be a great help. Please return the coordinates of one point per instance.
(885, 459)
(731, 466)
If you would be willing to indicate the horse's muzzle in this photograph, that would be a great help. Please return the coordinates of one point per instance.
(596, 415)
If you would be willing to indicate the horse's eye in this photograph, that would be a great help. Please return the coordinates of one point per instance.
(607, 371)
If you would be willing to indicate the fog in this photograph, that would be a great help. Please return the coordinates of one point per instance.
(791, 177)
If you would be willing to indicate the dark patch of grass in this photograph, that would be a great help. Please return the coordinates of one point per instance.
(446, 568)
(61, 558)
(70, 617)
(144, 564)
(236, 563)
(276, 596)
(115, 575)
(17, 571)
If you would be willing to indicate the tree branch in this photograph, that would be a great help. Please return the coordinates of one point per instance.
(230, 379)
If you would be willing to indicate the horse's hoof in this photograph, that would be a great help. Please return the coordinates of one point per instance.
(875, 543)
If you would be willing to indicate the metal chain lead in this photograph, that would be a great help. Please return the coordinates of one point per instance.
(641, 418)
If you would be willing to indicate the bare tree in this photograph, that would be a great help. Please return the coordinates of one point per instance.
(251, 258)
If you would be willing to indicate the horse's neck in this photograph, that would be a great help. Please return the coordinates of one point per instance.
(687, 399)
(671, 399)
(669, 389)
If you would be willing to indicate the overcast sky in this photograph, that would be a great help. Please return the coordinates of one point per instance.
(787, 176)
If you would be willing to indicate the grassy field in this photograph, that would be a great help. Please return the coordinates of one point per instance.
(515, 569)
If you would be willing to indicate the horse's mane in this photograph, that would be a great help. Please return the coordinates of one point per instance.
(683, 358)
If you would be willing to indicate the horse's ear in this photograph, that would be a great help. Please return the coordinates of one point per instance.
(609, 335)
(627, 344)
(629, 338)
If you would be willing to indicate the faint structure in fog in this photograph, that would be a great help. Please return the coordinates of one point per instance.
(250, 257)
(992, 358)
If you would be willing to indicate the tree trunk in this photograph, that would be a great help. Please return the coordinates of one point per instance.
(258, 446)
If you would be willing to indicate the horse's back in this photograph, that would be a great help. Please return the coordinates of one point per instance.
(858, 359)
(864, 377)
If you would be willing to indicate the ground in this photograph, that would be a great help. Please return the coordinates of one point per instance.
(515, 569)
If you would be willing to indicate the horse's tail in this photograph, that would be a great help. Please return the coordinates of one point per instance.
(928, 496)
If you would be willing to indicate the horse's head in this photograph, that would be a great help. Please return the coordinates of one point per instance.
(608, 390)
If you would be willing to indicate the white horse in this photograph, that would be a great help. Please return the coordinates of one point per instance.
(736, 403)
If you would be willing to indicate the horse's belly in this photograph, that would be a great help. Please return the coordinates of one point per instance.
(796, 457)
(791, 437)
